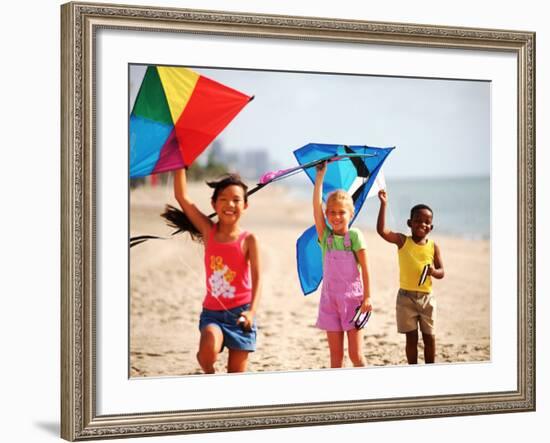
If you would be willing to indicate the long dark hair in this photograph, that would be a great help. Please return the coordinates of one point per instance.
(177, 219)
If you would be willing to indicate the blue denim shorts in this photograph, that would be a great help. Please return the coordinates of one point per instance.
(233, 336)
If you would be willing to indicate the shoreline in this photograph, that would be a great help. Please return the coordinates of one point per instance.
(297, 200)
(156, 197)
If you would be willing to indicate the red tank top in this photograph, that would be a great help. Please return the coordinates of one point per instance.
(227, 274)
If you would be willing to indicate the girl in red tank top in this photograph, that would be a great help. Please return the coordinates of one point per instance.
(232, 271)
(227, 273)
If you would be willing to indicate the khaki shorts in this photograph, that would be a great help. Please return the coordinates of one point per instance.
(414, 308)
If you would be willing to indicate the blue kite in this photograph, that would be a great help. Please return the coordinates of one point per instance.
(356, 165)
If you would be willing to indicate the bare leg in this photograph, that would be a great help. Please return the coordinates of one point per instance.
(411, 347)
(336, 348)
(355, 347)
(209, 347)
(429, 347)
(237, 360)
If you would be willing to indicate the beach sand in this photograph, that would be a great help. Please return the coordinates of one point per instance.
(167, 288)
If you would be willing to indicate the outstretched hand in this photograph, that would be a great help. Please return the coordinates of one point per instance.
(383, 196)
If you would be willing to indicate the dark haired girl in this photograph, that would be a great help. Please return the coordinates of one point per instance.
(232, 268)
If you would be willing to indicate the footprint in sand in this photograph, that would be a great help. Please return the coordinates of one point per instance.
(378, 336)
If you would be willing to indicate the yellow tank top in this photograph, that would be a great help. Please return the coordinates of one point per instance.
(412, 260)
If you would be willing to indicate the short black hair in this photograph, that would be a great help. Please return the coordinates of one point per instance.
(419, 207)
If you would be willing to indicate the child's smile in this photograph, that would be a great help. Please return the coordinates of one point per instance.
(338, 217)
(230, 204)
(421, 224)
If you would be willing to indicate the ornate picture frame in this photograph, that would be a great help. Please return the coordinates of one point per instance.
(79, 400)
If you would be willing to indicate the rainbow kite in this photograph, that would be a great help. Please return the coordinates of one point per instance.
(176, 115)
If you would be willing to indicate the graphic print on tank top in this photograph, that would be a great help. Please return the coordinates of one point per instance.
(221, 278)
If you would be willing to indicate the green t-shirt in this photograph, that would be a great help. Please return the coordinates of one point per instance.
(355, 235)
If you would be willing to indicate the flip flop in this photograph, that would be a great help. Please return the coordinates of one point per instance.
(360, 318)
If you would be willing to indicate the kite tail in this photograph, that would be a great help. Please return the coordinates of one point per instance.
(176, 218)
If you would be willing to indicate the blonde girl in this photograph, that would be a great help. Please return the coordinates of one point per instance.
(345, 273)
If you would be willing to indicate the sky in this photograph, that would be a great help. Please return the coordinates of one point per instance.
(440, 128)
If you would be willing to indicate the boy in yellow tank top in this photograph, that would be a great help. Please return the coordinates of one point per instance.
(419, 261)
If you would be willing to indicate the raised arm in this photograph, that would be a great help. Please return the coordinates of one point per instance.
(199, 220)
(318, 215)
(387, 234)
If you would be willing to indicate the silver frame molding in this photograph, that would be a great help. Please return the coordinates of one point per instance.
(79, 22)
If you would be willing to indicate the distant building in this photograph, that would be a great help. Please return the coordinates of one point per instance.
(254, 164)
(251, 164)
(215, 152)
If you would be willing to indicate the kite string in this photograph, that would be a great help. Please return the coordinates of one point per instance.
(267, 178)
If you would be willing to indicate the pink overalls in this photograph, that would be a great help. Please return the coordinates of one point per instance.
(342, 289)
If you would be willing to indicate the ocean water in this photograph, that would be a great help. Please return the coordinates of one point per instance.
(461, 206)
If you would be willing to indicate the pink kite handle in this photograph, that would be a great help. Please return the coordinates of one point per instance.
(269, 176)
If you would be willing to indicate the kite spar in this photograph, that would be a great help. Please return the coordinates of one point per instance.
(270, 177)
(349, 167)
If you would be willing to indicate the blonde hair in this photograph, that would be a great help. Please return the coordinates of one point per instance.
(341, 197)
